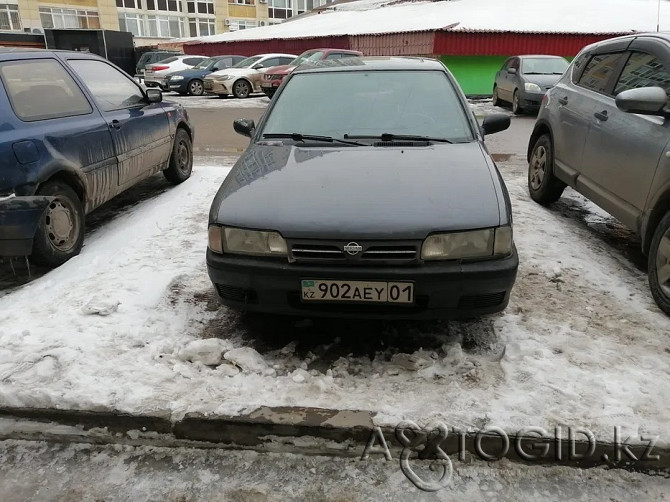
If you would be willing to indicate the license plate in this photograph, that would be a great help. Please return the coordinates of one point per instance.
(357, 291)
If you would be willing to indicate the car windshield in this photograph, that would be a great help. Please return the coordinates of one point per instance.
(246, 63)
(371, 103)
(205, 63)
(543, 66)
(306, 57)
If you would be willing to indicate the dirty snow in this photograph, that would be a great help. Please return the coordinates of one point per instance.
(535, 16)
(215, 102)
(581, 343)
(38, 471)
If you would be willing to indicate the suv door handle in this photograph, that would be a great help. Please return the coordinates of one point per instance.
(563, 100)
(115, 124)
(601, 115)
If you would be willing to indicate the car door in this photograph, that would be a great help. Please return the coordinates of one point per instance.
(622, 149)
(140, 130)
(507, 81)
(59, 124)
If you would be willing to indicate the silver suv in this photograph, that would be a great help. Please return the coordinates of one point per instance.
(604, 130)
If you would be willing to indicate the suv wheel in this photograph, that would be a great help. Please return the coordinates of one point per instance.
(516, 105)
(543, 186)
(659, 265)
(60, 233)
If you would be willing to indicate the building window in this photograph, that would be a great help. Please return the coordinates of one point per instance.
(54, 17)
(165, 5)
(242, 2)
(199, 27)
(129, 4)
(9, 17)
(200, 6)
(134, 23)
(280, 9)
(241, 24)
(165, 26)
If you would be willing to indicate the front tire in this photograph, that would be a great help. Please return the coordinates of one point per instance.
(195, 87)
(60, 233)
(516, 104)
(543, 186)
(659, 265)
(181, 160)
(495, 98)
(241, 89)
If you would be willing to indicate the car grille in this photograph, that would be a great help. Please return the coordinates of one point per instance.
(481, 301)
(208, 84)
(380, 252)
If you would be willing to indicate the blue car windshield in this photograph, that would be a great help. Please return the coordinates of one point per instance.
(347, 104)
(205, 63)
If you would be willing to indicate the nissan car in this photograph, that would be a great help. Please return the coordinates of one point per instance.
(385, 203)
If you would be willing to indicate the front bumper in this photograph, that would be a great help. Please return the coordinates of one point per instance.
(156, 82)
(443, 290)
(216, 87)
(19, 218)
(178, 85)
(531, 100)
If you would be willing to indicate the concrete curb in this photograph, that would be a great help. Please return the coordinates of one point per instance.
(317, 431)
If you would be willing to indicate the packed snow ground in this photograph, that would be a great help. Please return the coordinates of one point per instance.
(133, 324)
(36, 471)
(215, 102)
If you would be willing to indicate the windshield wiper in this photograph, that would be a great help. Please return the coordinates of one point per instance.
(298, 137)
(387, 136)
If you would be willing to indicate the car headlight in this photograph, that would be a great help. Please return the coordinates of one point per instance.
(176, 77)
(484, 243)
(248, 242)
(530, 87)
(221, 78)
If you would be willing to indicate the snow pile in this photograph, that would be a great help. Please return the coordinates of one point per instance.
(532, 16)
(581, 343)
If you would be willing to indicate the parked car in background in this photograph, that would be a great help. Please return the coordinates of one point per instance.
(523, 80)
(190, 81)
(77, 131)
(152, 57)
(245, 77)
(604, 130)
(274, 76)
(390, 206)
(156, 74)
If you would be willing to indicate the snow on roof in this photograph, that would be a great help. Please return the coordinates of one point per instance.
(369, 17)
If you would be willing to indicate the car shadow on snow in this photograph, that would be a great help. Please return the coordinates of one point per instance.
(607, 229)
(15, 272)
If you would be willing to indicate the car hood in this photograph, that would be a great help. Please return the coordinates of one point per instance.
(281, 70)
(191, 73)
(542, 80)
(236, 72)
(360, 192)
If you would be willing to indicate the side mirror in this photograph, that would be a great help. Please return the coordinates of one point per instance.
(154, 95)
(257, 66)
(511, 71)
(495, 122)
(645, 100)
(245, 127)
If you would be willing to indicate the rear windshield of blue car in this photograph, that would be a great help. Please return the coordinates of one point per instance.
(360, 103)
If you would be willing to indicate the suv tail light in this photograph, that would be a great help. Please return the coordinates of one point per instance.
(159, 68)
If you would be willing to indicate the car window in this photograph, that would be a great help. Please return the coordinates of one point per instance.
(205, 63)
(163, 59)
(598, 71)
(267, 63)
(334, 55)
(246, 63)
(578, 66)
(192, 61)
(222, 63)
(514, 63)
(543, 66)
(283, 61)
(643, 70)
(421, 103)
(111, 88)
(41, 89)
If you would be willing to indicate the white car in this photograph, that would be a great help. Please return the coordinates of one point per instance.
(155, 75)
(245, 77)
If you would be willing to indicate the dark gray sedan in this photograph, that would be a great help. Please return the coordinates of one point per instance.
(379, 201)
(524, 80)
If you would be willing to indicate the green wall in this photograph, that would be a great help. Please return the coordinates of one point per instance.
(475, 74)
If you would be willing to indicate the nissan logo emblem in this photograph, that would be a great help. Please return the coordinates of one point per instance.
(353, 248)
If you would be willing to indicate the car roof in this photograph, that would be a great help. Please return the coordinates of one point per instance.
(371, 63)
(536, 56)
(29, 53)
(273, 54)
